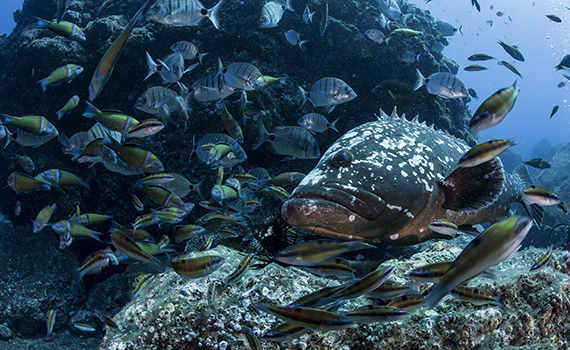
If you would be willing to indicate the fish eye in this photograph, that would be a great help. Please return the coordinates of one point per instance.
(343, 158)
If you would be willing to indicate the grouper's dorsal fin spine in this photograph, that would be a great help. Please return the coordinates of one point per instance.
(416, 119)
(394, 113)
(471, 189)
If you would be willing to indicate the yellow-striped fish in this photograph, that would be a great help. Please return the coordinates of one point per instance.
(128, 247)
(310, 253)
(33, 124)
(308, 317)
(65, 29)
(475, 296)
(64, 74)
(23, 183)
(50, 321)
(69, 106)
(540, 195)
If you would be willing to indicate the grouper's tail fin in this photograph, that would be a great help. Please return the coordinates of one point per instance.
(535, 211)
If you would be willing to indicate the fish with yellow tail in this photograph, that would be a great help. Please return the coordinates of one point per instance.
(387, 180)
(128, 247)
(107, 63)
(491, 247)
(65, 29)
(23, 183)
(62, 74)
(494, 109)
(232, 126)
(50, 321)
(484, 152)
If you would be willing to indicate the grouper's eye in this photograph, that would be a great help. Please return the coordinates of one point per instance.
(343, 158)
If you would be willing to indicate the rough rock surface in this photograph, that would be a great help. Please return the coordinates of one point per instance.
(173, 313)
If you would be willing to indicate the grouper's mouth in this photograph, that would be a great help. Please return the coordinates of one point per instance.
(324, 200)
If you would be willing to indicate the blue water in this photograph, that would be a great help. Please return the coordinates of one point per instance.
(7, 7)
(543, 44)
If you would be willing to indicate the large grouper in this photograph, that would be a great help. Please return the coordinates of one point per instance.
(387, 180)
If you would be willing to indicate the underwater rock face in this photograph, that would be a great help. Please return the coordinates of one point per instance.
(173, 313)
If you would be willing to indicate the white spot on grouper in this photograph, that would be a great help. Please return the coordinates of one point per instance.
(394, 207)
(389, 167)
(394, 236)
(351, 218)
(404, 174)
(428, 188)
(410, 215)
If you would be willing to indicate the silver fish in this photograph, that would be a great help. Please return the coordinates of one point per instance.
(152, 100)
(329, 92)
(442, 84)
(188, 50)
(384, 181)
(446, 29)
(212, 87)
(375, 35)
(315, 122)
(27, 139)
(308, 15)
(391, 9)
(294, 39)
(408, 56)
(242, 76)
(292, 141)
(183, 12)
(170, 69)
(271, 14)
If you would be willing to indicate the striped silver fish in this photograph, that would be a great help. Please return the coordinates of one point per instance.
(183, 12)
(375, 35)
(315, 122)
(212, 87)
(442, 84)
(329, 92)
(188, 50)
(271, 14)
(152, 100)
(295, 39)
(292, 141)
(241, 76)
(170, 68)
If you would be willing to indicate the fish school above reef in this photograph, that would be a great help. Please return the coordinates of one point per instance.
(179, 158)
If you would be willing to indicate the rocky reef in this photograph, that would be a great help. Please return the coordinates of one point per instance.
(173, 313)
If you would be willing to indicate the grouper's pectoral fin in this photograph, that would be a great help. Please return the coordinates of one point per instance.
(471, 189)
(535, 211)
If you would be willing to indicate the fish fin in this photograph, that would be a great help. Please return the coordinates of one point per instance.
(152, 66)
(201, 57)
(460, 31)
(91, 110)
(471, 189)
(304, 94)
(42, 23)
(212, 14)
(535, 211)
(421, 80)
(329, 109)
(302, 44)
(263, 135)
(9, 138)
(469, 229)
(333, 125)
(44, 83)
(289, 6)
(522, 172)
(85, 183)
(190, 68)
